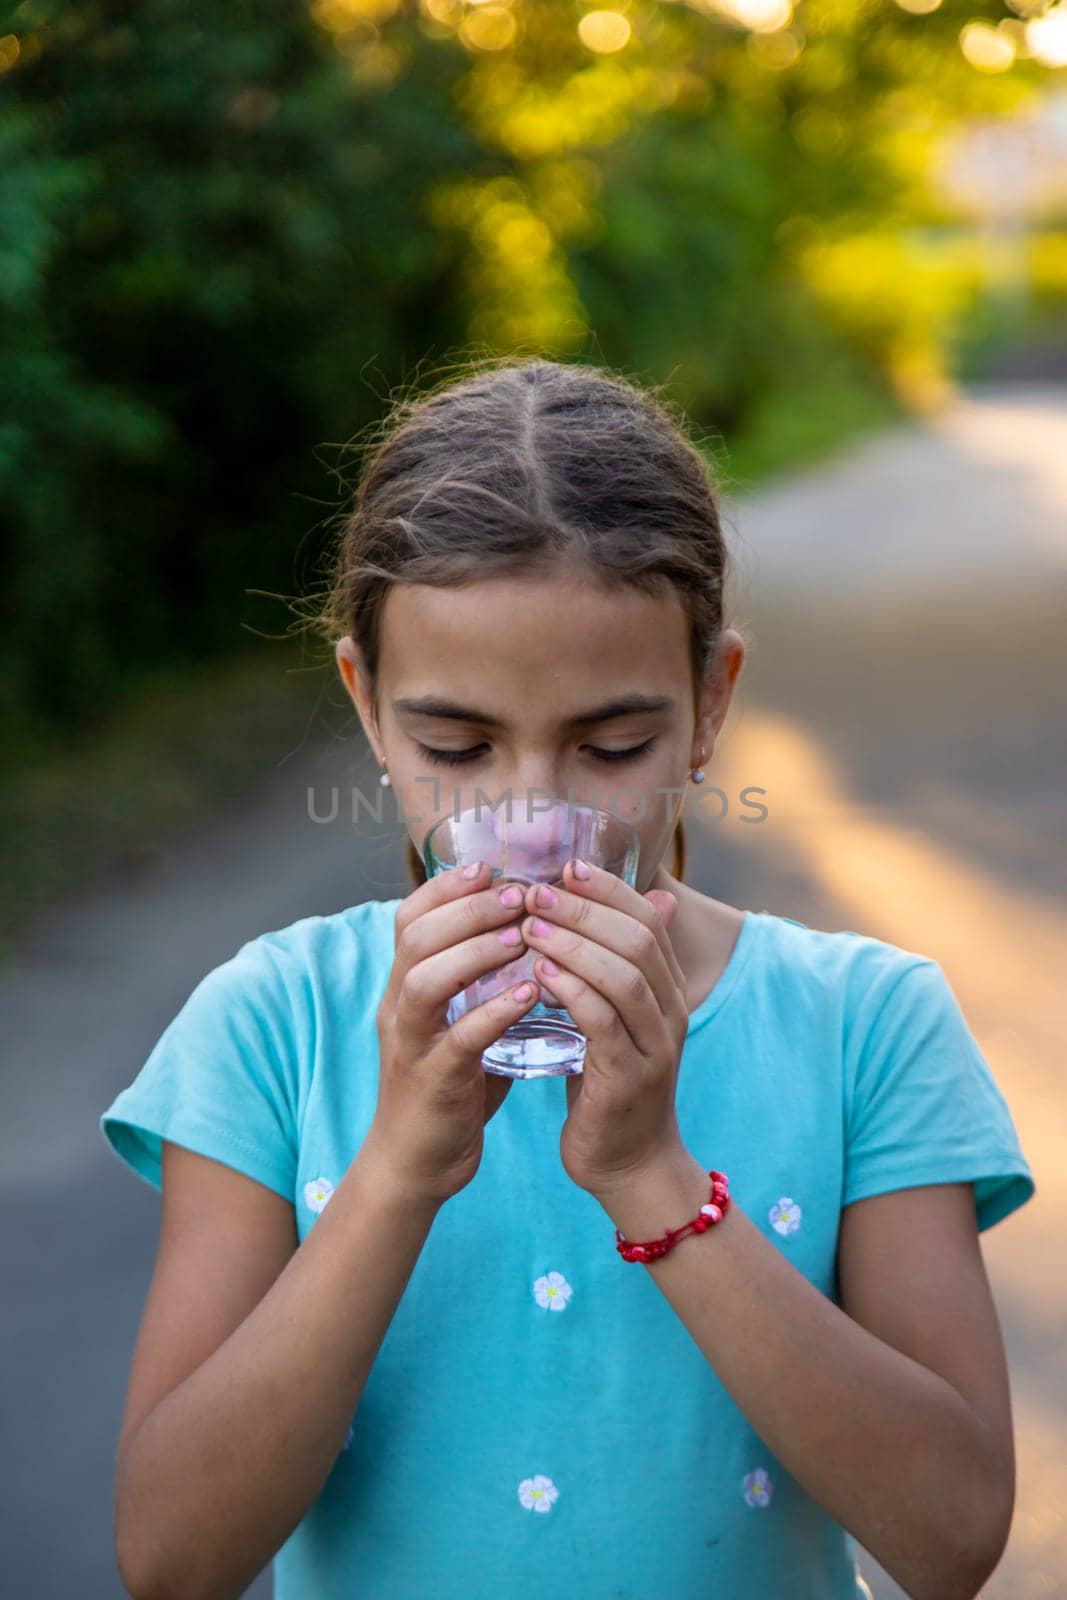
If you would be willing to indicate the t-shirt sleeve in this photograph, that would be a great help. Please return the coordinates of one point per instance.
(924, 1107)
(220, 1080)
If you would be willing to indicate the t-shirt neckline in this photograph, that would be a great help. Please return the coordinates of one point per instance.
(727, 979)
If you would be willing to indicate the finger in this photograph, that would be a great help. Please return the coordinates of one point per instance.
(605, 887)
(473, 1032)
(635, 931)
(603, 1023)
(427, 986)
(611, 976)
(629, 899)
(464, 911)
(664, 904)
(440, 890)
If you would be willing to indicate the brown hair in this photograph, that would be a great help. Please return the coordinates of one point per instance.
(518, 466)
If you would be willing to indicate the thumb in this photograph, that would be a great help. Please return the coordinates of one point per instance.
(665, 903)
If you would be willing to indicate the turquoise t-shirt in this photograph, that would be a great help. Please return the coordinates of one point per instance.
(538, 1419)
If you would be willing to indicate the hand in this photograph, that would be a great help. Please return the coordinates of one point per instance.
(620, 980)
(434, 1095)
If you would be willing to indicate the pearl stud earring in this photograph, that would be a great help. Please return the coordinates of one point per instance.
(698, 775)
(385, 780)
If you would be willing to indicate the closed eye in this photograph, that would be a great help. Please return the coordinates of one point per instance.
(451, 758)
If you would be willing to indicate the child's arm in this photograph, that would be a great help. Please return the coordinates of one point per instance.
(248, 1368)
(254, 1351)
(894, 1413)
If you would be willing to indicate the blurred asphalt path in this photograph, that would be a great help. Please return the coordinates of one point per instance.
(902, 706)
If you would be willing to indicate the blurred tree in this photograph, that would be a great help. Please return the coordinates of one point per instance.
(209, 230)
(215, 222)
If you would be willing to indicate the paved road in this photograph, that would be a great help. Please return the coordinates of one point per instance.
(903, 707)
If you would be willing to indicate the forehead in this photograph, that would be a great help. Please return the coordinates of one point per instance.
(509, 639)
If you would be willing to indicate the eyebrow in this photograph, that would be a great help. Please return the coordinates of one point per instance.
(621, 706)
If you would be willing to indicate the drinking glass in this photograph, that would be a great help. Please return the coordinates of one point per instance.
(531, 846)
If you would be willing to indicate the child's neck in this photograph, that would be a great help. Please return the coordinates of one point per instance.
(703, 934)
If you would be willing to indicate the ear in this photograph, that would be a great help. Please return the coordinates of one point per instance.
(665, 903)
(350, 665)
(717, 691)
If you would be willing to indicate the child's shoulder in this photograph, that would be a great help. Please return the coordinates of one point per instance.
(363, 930)
(859, 967)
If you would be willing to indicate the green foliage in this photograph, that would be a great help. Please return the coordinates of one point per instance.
(210, 235)
(227, 231)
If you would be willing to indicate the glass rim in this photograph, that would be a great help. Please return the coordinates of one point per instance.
(569, 806)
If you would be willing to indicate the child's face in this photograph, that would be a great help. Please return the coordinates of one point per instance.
(522, 657)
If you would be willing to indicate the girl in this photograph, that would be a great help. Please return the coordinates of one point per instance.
(404, 1356)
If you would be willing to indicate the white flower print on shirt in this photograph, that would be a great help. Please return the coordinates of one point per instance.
(552, 1290)
(785, 1215)
(538, 1493)
(758, 1487)
(317, 1192)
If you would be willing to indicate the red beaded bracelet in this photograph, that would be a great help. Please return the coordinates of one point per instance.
(707, 1217)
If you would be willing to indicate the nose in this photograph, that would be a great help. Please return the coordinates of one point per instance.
(534, 784)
